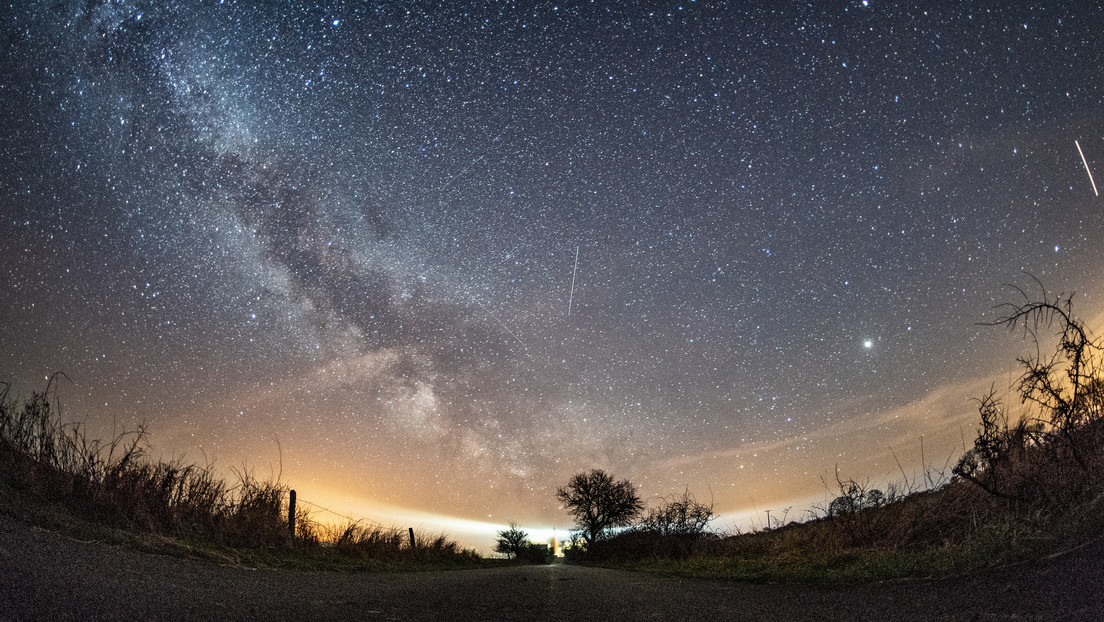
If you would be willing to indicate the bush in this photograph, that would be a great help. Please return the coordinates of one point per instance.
(534, 553)
(1052, 455)
(678, 515)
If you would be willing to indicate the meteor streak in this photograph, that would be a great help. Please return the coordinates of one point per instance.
(1086, 163)
(571, 296)
(500, 322)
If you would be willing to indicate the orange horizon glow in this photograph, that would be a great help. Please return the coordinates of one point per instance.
(788, 476)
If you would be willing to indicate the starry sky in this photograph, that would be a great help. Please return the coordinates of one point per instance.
(430, 259)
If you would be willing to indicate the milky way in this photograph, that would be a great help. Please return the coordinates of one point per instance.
(341, 238)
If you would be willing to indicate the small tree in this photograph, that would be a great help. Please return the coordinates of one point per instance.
(597, 502)
(512, 541)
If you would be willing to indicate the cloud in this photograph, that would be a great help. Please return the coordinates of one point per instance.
(874, 445)
(939, 409)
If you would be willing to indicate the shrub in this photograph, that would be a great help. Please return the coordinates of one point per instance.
(1053, 454)
(678, 515)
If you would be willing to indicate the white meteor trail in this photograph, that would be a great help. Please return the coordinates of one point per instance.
(571, 296)
(501, 323)
(1086, 163)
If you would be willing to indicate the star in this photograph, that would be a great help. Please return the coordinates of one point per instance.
(520, 244)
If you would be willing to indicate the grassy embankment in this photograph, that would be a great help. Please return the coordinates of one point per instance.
(941, 532)
(51, 474)
(1032, 486)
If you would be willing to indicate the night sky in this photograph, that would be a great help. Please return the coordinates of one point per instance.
(337, 242)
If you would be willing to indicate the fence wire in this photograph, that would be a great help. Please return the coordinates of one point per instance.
(378, 524)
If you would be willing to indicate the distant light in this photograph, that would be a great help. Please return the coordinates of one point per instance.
(1056, 248)
(336, 22)
(868, 344)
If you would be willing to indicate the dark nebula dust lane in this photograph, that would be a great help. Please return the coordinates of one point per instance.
(345, 237)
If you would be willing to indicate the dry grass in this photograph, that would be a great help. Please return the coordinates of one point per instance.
(45, 463)
(953, 529)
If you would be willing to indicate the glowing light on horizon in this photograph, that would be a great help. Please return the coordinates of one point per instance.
(337, 510)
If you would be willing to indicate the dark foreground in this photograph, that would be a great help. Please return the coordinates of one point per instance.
(45, 576)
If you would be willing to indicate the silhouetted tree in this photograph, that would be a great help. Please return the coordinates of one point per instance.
(679, 515)
(597, 502)
(512, 541)
(1051, 454)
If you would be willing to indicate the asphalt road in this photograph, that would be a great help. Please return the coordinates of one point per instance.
(45, 576)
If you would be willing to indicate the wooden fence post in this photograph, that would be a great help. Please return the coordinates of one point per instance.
(291, 514)
(411, 538)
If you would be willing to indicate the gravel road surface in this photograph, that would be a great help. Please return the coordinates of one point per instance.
(46, 576)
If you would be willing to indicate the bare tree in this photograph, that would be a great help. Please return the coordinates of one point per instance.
(597, 502)
(1051, 452)
(1067, 385)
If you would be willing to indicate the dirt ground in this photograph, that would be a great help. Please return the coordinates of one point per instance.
(46, 576)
